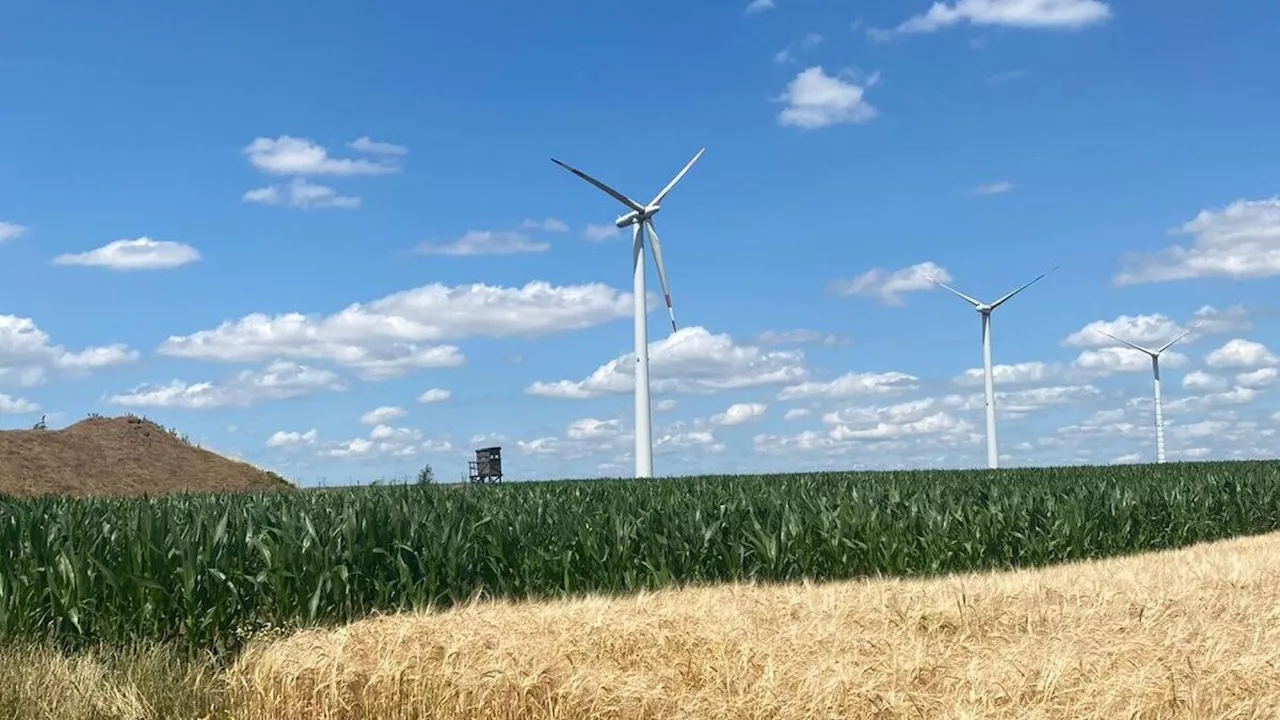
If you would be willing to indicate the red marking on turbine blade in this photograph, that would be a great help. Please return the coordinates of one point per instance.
(668, 300)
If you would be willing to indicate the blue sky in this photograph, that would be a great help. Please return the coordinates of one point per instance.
(231, 218)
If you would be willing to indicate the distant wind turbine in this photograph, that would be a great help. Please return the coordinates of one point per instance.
(985, 310)
(1155, 382)
(640, 218)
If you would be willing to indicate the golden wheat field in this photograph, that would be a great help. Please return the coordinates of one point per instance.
(1193, 633)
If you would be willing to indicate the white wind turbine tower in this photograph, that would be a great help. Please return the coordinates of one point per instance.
(1155, 375)
(985, 310)
(640, 217)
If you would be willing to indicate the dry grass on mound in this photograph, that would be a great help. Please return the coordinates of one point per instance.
(1191, 633)
(119, 456)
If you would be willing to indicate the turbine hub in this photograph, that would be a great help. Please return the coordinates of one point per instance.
(630, 218)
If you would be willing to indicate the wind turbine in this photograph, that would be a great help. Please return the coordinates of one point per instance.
(1155, 382)
(985, 310)
(640, 218)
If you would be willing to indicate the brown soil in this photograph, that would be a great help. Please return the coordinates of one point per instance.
(120, 456)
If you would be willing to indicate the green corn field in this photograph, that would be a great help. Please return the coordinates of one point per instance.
(209, 571)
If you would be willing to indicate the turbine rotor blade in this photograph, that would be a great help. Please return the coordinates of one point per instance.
(1169, 344)
(613, 193)
(658, 198)
(1148, 351)
(662, 272)
(1009, 295)
(954, 291)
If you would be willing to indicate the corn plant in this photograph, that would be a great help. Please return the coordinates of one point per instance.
(208, 571)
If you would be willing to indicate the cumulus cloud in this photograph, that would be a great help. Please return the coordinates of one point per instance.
(385, 338)
(434, 395)
(383, 415)
(385, 441)
(485, 242)
(11, 231)
(759, 6)
(1241, 353)
(302, 195)
(1037, 14)
(1239, 242)
(27, 357)
(547, 225)
(141, 254)
(851, 385)
(691, 360)
(1150, 331)
(787, 54)
(600, 233)
(1201, 381)
(282, 438)
(888, 287)
(1016, 374)
(10, 405)
(815, 99)
(368, 145)
(278, 381)
(287, 155)
(1121, 359)
(799, 337)
(739, 414)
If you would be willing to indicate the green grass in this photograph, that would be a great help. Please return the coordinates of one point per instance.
(207, 572)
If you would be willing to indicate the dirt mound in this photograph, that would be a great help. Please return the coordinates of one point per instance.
(119, 456)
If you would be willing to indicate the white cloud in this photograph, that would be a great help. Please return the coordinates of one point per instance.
(757, 6)
(887, 287)
(382, 338)
(1016, 374)
(434, 395)
(852, 385)
(278, 381)
(1260, 378)
(1212, 320)
(141, 254)
(1239, 242)
(739, 414)
(385, 441)
(1064, 14)
(691, 360)
(27, 358)
(548, 225)
(797, 413)
(383, 415)
(288, 155)
(815, 100)
(665, 405)
(593, 429)
(485, 242)
(301, 194)
(1148, 330)
(1121, 359)
(1202, 381)
(1208, 401)
(10, 405)
(599, 233)
(368, 145)
(799, 336)
(787, 54)
(10, 231)
(1018, 403)
(281, 438)
(1241, 353)
(1127, 459)
(995, 188)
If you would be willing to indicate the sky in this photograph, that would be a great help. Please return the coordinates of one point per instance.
(330, 241)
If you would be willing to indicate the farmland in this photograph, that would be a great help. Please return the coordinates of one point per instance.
(209, 572)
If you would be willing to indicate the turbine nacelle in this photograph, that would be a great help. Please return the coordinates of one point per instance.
(636, 216)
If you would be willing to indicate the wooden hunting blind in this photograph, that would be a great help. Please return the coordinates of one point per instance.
(487, 467)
